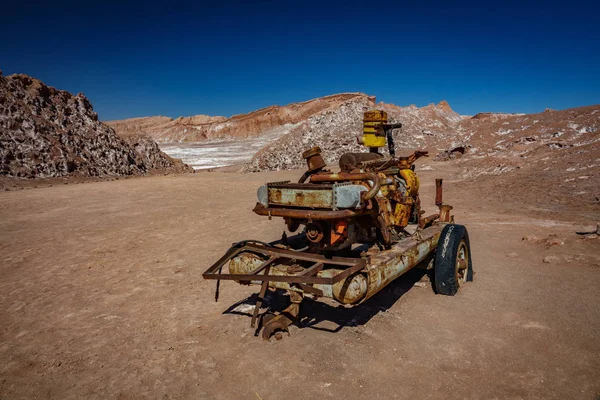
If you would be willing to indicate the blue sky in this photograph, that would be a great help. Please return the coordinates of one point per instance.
(222, 58)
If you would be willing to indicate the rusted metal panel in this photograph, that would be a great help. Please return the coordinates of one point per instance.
(371, 178)
(402, 214)
(348, 195)
(298, 195)
(388, 265)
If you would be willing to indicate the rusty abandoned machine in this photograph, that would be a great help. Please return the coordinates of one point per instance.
(357, 231)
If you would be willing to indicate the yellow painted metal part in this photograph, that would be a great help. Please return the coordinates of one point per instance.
(412, 182)
(402, 214)
(397, 212)
(371, 140)
(384, 188)
(372, 128)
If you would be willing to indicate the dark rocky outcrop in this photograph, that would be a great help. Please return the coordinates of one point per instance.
(45, 132)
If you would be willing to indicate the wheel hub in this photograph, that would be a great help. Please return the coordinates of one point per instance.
(462, 263)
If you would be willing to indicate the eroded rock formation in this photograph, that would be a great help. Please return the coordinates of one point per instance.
(45, 132)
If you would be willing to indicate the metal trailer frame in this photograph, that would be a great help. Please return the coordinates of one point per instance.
(380, 269)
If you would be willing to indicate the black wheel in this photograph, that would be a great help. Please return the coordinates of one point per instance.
(453, 266)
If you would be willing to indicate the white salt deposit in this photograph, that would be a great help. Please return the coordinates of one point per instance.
(222, 153)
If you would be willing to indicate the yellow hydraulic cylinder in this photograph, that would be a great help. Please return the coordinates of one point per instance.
(373, 133)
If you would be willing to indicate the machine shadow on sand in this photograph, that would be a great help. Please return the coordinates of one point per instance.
(313, 312)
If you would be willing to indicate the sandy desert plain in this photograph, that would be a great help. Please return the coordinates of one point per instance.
(102, 296)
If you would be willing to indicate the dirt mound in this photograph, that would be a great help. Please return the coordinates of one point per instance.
(257, 123)
(45, 132)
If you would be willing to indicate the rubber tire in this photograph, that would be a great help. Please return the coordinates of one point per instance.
(445, 259)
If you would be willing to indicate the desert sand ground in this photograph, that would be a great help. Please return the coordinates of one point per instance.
(102, 296)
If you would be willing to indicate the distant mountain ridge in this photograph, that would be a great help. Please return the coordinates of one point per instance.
(241, 126)
(492, 142)
(289, 129)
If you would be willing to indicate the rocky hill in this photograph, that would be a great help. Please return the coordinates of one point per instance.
(487, 143)
(491, 141)
(332, 122)
(335, 131)
(566, 140)
(553, 153)
(265, 121)
(45, 132)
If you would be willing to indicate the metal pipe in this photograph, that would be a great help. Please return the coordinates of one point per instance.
(428, 220)
(307, 214)
(314, 162)
(438, 192)
(445, 215)
(352, 176)
(388, 265)
(305, 176)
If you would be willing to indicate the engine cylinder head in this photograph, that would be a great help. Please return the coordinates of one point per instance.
(314, 160)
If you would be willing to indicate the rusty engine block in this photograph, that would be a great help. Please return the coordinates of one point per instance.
(371, 200)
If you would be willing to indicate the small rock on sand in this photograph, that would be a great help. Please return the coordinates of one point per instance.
(552, 240)
(550, 259)
(531, 238)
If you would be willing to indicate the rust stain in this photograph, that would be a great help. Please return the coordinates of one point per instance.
(288, 195)
(386, 266)
(382, 269)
